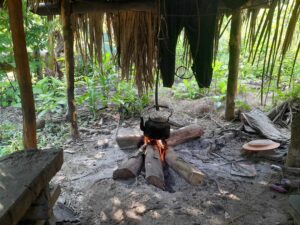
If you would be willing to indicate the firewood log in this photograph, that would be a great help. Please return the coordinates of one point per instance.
(154, 168)
(130, 167)
(128, 138)
(191, 174)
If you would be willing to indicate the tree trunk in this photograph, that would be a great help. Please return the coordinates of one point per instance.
(234, 61)
(69, 63)
(23, 73)
(293, 158)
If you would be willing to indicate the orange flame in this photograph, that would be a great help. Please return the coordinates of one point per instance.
(160, 145)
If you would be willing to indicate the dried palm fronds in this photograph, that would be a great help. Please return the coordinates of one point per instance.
(89, 35)
(270, 31)
(135, 36)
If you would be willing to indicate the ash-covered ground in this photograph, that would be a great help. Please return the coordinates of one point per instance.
(89, 190)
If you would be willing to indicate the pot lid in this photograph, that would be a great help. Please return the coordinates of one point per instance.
(261, 145)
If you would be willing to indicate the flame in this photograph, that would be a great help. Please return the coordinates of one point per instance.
(160, 145)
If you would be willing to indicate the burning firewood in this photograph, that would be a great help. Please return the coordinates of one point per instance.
(127, 139)
(154, 167)
(130, 167)
(158, 153)
(191, 174)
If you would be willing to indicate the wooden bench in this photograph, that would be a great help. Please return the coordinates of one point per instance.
(25, 196)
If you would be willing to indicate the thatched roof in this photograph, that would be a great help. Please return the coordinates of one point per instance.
(135, 32)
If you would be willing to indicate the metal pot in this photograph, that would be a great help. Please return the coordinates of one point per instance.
(155, 129)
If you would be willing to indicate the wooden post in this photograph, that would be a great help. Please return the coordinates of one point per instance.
(234, 61)
(293, 158)
(23, 73)
(51, 45)
(69, 63)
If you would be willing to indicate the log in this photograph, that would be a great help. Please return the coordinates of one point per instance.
(23, 73)
(130, 167)
(154, 168)
(184, 134)
(191, 174)
(128, 138)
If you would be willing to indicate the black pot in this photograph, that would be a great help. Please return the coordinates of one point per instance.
(155, 129)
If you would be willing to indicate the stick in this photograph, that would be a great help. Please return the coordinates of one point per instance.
(130, 167)
(191, 174)
(154, 169)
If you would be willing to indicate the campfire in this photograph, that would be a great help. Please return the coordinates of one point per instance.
(155, 152)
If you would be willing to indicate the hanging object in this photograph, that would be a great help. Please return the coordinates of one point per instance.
(198, 18)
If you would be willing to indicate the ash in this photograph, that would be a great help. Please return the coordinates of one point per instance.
(95, 198)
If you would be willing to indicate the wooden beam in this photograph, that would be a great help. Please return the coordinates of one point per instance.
(80, 7)
(234, 62)
(46, 9)
(68, 36)
(23, 73)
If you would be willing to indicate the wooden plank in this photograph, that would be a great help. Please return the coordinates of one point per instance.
(23, 175)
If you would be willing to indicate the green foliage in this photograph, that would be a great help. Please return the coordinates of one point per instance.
(9, 92)
(10, 138)
(127, 99)
(50, 95)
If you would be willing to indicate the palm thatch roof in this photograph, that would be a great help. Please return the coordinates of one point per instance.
(135, 32)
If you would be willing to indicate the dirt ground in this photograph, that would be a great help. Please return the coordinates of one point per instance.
(90, 192)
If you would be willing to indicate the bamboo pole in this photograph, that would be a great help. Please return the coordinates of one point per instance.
(69, 63)
(234, 61)
(23, 73)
